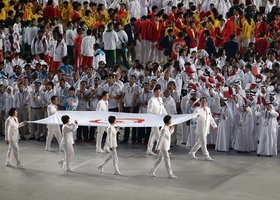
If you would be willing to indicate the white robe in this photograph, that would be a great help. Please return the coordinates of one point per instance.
(244, 137)
(269, 132)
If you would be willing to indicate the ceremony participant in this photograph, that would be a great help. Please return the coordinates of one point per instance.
(12, 137)
(71, 101)
(53, 130)
(204, 119)
(155, 106)
(269, 130)
(87, 49)
(112, 145)
(102, 105)
(163, 146)
(68, 130)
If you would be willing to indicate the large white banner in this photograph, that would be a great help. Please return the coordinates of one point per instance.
(97, 118)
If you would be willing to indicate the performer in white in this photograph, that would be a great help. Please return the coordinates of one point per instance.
(163, 146)
(53, 129)
(269, 130)
(155, 106)
(12, 137)
(203, 120)
(68, 130)
(112, 144)
(102, 105)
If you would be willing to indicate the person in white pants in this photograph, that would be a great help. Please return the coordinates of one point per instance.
(68, 129)
(53, 129)
(102, 105)
(155, 106)
(163, 146)
(203, 121)
(12, 137)
(112, 144)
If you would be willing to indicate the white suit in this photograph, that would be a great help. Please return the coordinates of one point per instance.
(155, 106)
(112, 144)
(12, 135)
(53, 129)
(67, 142)
(203, 120)
(163, 146)
(101, 106)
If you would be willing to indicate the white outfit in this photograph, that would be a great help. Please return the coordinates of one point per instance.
(204, 120)
(101, 106)
(269, 132)
(87, 46)
(163, 146)
(244, 136)
(112, 144)
(53, 129)
(60, 50)
(12, 135)
(155, 106)
(67, 141)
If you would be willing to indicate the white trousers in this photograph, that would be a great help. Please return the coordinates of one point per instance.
(163, 154)
(100, 132)
(53, 130)
(113, 155)
(145, 51)
(201, 143)
(154, 136)
(68, 155)
(13, 149)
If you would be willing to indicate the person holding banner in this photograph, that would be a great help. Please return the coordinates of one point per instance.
(112, 144)
(12, 137)
(163, 146)
(204, 119)
(155, 106)
(67, 141)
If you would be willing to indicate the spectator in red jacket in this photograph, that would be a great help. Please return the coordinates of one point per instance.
(261, 45)
(49, 11)
(75, 13)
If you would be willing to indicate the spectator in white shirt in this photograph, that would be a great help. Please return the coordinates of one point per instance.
(87, 49)
(99, 55)
(121, 52)
(70, 37)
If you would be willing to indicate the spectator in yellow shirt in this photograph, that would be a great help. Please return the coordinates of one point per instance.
(247, 35)
(88, 19)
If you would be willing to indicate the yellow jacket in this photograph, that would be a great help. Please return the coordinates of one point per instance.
(64, 13)
(89, 21)
(247, 29)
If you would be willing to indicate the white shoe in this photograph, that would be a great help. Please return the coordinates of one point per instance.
(8, 164)
(193, 155)
(208, 158)
(106, 150)
(118, 173)
(69, 170)
(61, 164)
(172, 177)
(19, 166)
(152, 173)
(101, 169)
(151, 153)
(100, 151)
(49, 149)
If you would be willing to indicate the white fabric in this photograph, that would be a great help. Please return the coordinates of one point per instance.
(95, 118)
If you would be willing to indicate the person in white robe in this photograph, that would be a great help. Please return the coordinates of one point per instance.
(155, 106)
(163, 146)
(112, 144)
(206, 5)
(102, 105)
(244, 136)
(224, 132)
(53, 130)
(12, 137)
(68, 129)
(269, 131)
(204, 119)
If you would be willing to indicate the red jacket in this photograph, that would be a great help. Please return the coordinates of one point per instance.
(276, 25)
(153, 30)
(143, 29)
(237, 24)
(261, 27)
(201, 39)
(192, 36)
(221, 36)
(172, 17)
(75, 15)
(261, 45)
(229, 25)
(179, 24)
(50, 12)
